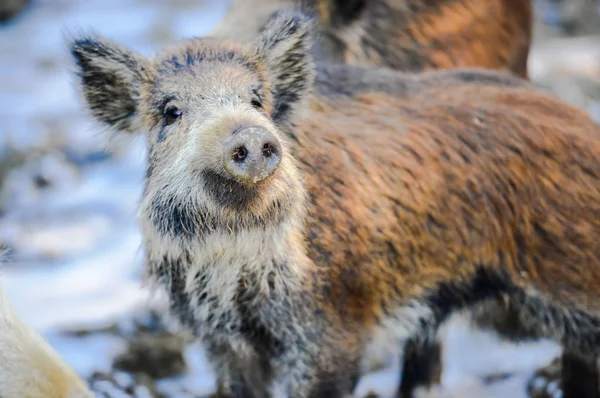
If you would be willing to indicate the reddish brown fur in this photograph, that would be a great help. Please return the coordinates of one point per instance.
(460, 148)
(421, 35)
(525, 162)
(552, 211)
(409, 35)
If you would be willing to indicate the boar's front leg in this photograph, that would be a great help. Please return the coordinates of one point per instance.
(239, 377)
(325, 374)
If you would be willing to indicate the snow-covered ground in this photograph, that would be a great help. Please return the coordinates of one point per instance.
(69, 212)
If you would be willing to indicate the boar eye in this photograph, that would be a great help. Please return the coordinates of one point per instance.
(171, 114)
(256, 103)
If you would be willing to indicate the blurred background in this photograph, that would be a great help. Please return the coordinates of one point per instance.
(67, 208)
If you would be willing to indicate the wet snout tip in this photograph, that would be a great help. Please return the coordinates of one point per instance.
(252, 154)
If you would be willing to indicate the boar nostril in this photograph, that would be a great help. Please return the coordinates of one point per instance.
(268, 150)
(240, 154)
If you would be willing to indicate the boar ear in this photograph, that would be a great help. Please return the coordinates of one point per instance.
(110, 77)
(285, 44)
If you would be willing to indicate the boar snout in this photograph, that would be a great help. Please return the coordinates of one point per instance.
(252, 154)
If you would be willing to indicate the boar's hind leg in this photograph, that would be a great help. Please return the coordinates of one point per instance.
(421, 366)
(579, 377)
(575, 375)
(520, 318)
(567, 376)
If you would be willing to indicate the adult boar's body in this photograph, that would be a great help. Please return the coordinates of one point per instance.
(294, 221)
(407, 35)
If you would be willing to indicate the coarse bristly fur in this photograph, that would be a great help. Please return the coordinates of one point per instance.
(29, 367)
(408, 35)
(399, 199)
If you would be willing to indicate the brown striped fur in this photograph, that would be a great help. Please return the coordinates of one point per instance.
(400, 199)
(409, 35)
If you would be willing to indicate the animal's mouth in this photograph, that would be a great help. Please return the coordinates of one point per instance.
(228, 192)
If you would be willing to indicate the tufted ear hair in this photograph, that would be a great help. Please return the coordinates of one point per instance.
(285, 44)
(110, 77)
